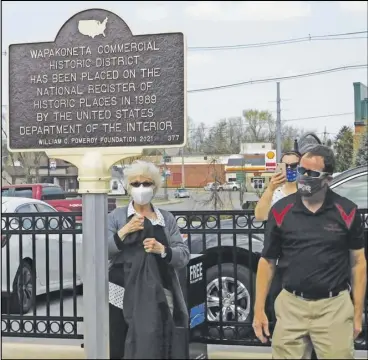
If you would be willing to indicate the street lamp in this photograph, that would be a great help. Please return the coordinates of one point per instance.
(166, 197)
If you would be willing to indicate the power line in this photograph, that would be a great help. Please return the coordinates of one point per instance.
(320, 116)
(249, 82)
(337, 36)
(287, 120)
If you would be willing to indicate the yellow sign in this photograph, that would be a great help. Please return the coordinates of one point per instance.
(270, 154)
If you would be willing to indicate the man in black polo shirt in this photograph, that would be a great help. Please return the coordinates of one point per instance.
(317, 236)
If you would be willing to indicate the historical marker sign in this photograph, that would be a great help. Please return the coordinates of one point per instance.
(97, 85)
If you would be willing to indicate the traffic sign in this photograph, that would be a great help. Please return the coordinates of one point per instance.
(240, 177)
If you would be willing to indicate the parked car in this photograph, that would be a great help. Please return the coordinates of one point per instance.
(12, 268)
(231, 185)
(52, 194)
(211, 186)
(351, 184)
(242, 254)
(181, 193)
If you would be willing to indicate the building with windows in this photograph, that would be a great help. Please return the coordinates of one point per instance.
(360, 112)
(254, 166)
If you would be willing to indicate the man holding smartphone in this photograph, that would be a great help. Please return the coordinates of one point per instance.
(317, 236)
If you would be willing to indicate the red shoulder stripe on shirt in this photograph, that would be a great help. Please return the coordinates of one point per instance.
(279, 217)
(348, 219)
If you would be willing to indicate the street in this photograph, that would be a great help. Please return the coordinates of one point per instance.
(206, 200)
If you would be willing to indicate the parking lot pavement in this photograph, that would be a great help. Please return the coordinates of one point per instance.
(205, 200)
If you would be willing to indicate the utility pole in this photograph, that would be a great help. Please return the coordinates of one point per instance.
(166, 197)
(278, 124)
(48, 169)
(182, 169)
(324, 141)
(242, 183)
(215, 189)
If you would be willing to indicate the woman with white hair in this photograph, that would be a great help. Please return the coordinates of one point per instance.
(147, 307)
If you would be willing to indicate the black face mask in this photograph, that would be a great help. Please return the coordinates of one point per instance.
(309, 186)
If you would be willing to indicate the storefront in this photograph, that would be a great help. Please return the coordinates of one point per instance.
(250, 169)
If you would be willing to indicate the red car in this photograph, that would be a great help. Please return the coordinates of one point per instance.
(50, 193)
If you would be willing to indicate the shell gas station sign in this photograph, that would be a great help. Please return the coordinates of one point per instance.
(270, 160)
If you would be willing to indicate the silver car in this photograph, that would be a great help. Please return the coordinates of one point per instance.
(181, 193)
(17, 263)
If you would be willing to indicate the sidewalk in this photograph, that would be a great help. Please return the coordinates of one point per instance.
(13, 350)
(24, 350)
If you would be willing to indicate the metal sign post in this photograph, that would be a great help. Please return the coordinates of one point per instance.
(96, 95)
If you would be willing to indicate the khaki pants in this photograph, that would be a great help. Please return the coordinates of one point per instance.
(326, 323)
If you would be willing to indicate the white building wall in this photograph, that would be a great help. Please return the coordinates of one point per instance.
(255, 148)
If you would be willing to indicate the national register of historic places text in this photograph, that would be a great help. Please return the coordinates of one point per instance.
(97, 85)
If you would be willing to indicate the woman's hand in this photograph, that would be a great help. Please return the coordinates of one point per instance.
(277, 180)
(151, 245)
(135, 224)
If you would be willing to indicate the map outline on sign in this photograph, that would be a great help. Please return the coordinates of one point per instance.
(92, 28)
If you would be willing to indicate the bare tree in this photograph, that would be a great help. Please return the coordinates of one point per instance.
(216, 199)
(29, 161)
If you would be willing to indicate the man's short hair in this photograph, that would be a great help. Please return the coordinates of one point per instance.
(326, 153)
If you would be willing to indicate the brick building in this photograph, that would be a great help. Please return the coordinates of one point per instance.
(198, 170)
(195, 175)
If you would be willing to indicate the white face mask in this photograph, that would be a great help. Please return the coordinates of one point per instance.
(142, 195)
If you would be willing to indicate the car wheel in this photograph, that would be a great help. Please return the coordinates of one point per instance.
(235, 188)
(25, 287)
(228, 298)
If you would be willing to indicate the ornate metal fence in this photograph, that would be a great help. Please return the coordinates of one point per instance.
(42, 274)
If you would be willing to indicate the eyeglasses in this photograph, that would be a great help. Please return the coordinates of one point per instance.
(312, 173)
(137, 184)
(292, 165)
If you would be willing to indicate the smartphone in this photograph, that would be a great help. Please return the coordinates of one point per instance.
(281, 168)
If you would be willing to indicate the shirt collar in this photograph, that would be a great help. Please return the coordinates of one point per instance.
(327, 204)
(160, 219)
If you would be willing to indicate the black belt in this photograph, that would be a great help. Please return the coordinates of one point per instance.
(317, 295)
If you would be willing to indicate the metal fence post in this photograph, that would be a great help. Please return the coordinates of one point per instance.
(95, 276)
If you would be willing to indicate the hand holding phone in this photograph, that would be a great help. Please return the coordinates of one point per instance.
(279, 177)
(281, 168)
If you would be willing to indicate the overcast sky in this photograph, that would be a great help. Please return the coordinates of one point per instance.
(231, 23)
